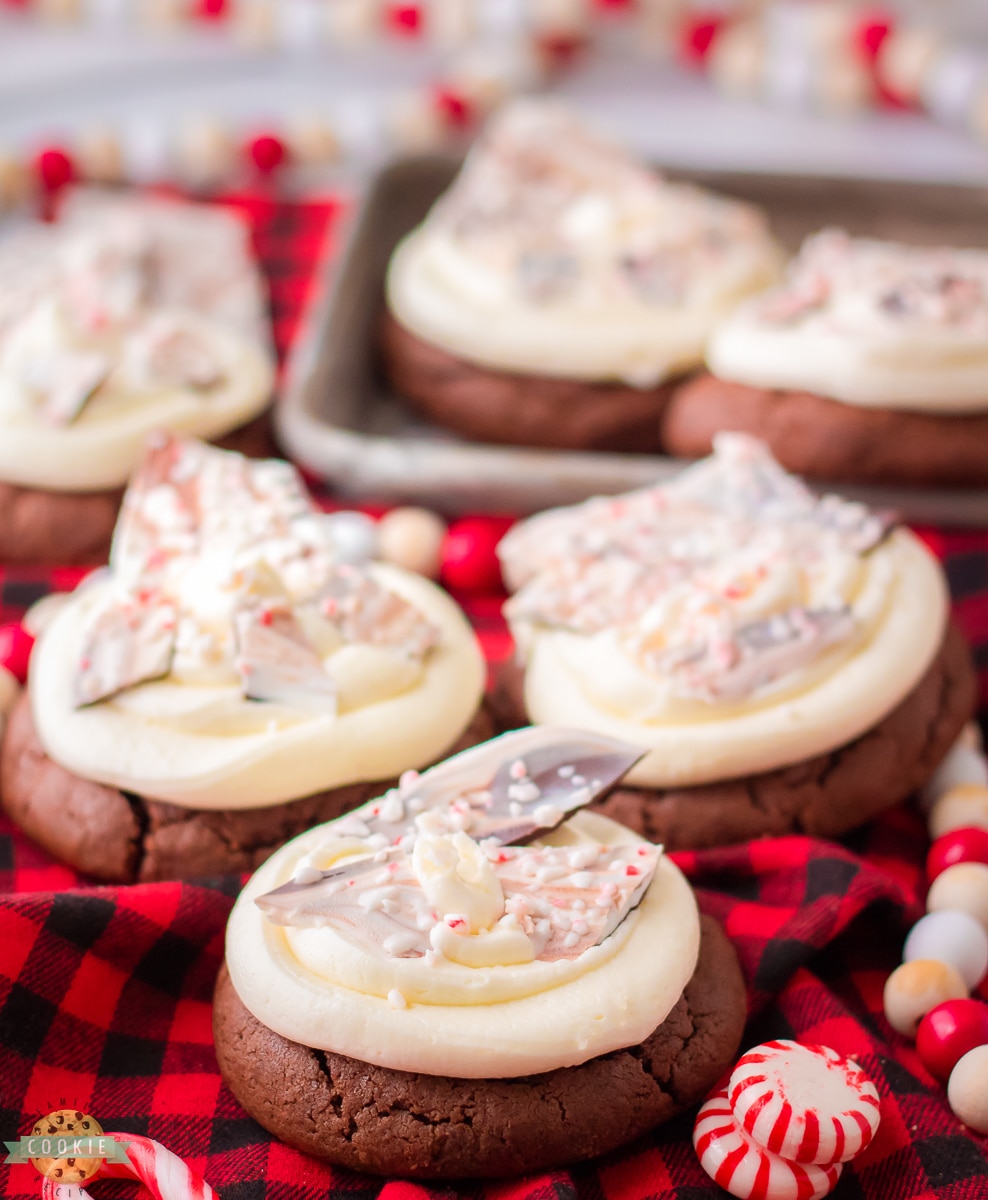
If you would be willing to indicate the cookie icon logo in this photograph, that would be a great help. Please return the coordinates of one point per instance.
(60, 1137)
(68, 1147)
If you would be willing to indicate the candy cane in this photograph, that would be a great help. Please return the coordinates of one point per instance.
(164, 1174)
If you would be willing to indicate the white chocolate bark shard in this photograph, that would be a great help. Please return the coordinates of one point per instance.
(277, 663)
(173, 352)
(679, 572)
(365, 613)
(130, 640)
(69, 383)
(509, 789)
(433, 878)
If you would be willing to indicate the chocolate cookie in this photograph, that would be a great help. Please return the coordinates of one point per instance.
(120, 837)
(370, 1118)
(825, 439)
(65, 528)
(507, 408)
(824, 796)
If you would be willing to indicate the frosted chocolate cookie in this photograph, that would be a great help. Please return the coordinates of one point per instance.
(445, 982)
(785, 660)
(867, 365)
(131, 315)
(558, 286)
(228, 681)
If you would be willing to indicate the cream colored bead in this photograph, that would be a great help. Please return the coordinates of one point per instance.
(905, 59)
(415, 123)
(844, 85)
(412, 538)
(488, 75)
(10, 689)
(254, 23)
(100, 156)
(962, 805)
(450, 22)
(967, 1089)
(916, 987)
(58, 11)
(961, 765)
(42, 612)
(311, 141)
(206, 153)
(163, 14)
(737, 60)
(561, 16)
(353, 21)
(14, 181)
(961, 888)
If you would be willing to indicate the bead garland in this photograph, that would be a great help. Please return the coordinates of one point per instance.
(945, 956)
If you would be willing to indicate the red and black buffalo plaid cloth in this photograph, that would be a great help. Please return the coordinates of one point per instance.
(105, 992)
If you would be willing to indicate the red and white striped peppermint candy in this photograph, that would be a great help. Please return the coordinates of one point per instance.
(747, 1170)
(806, 1103)
(165, 1175)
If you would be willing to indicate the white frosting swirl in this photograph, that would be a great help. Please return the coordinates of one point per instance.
(227, 661)
(729, 622)
(138, 315)
(556, 254)
(869, 323)
(442, 1017)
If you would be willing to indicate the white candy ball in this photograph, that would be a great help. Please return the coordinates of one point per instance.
(413, 538)
(962, 805)
(962, 765)
(354, 536)
(951, 937)
(963, 888)
(10, 689)
(967, 1089)
(916, 987)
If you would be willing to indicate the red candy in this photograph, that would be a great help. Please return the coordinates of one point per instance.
(469, 560)
(969, 844)
(55, 169)
(266, 152)
(15, 650)
(948, 1032)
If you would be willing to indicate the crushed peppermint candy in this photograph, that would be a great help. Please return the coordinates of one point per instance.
(684, 572)
(439, 891)
(235, 550)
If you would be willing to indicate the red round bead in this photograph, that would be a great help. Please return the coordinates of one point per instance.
(454, 106)
(266, 152)
(54, 168)
(469, 559)
(15, 650)
(870, 34)
(698, 37)
(210, 10)
(969, 844)
(405, 19)
(947, 1032)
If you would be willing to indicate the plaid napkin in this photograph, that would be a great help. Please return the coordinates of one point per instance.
(105, 992)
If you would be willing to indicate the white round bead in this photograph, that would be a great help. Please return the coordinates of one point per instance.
(951, 937)
(413, 538)
(967, 1089)
(962, 805)
(354, 536)
(962, 765)
(916, 987)
(963, 888)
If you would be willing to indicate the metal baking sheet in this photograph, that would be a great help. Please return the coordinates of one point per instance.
(339, 419)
